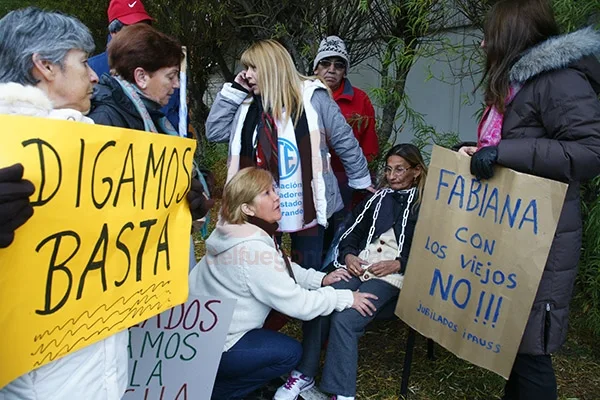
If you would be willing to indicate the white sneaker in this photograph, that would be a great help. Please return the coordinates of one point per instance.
(296, 384)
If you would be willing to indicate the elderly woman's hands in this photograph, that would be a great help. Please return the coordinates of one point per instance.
(15, 207)
(354, 264)
(335, 276)
(384, 268)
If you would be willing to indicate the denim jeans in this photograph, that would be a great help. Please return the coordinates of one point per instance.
(343, 329)
(307, 247)
(257, 358)
(532, 377)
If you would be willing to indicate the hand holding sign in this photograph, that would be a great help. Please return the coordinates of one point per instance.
(15, 208)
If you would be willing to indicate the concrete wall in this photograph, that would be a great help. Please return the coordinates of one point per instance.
(447, 102)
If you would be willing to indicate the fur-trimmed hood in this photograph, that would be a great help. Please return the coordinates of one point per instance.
(17, 99)
(557, 53)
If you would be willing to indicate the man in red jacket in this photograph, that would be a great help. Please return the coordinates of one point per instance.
(332, 64)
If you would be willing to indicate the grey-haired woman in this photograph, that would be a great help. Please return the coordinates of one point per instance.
(44, 73)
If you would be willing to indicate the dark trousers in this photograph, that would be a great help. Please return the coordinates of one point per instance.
(343, 330)
(257, 358)
(531, 378)
(307, 247)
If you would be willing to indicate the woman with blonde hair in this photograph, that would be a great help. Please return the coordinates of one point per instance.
(244, 262)
(279, 120)
(374, 250)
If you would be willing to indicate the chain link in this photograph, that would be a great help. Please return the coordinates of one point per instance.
(380, 194)
(411, 196)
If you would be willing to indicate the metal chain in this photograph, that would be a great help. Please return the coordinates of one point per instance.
(381, 194)
(411, 196)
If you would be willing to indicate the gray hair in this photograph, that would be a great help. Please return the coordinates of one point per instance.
(30, 30)
(115, 26)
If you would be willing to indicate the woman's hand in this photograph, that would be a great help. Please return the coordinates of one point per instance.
(336, 276)
(362, 304)
(467, 150)
(384, 268)
(240, 79)
(354, 264)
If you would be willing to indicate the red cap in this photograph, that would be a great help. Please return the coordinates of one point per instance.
(127, 11)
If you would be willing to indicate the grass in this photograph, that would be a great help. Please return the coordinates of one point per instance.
(381, 355)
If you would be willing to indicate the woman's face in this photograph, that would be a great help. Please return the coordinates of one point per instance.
(252, 79)
(73, 82)
(160, 85)
(266, 205)
(399, 173)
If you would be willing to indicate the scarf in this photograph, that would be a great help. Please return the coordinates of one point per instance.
(142, 104)
(489, 131)
(271, 229)
(266, 155)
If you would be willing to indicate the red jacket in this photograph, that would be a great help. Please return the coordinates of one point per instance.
(360, 115)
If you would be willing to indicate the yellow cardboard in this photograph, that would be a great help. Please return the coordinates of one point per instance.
(108, 244)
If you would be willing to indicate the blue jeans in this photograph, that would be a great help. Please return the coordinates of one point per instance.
(257, 358)
(343, 329)
(307, 247)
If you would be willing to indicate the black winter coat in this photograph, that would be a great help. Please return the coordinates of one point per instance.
(111, 107)
(552, 129)
(390, 215)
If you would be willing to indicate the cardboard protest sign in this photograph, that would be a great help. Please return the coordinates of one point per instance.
(176, 354)
(108, 244)
(477, 258)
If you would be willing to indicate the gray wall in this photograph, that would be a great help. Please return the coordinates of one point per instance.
(446, 100)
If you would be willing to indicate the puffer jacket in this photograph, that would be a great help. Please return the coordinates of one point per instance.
(552, 129)
(98, 371)
(225, 116)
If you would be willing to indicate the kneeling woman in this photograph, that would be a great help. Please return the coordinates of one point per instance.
(375, 251)
(243, 262)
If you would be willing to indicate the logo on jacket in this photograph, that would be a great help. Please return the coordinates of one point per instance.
(289, 159)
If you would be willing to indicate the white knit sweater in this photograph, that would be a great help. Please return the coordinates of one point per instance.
(242, 263)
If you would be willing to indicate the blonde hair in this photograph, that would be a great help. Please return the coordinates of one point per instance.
(279, 82)
(243, 188)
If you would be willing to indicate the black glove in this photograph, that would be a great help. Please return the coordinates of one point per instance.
(15, 208)
(482, 162)
(199, 203)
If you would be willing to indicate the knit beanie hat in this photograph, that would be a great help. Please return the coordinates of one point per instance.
(332, 46)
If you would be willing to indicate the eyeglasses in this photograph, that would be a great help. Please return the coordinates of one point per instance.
(336, 64)
(396, 171)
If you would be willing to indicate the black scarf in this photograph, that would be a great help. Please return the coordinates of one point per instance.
(271, 229)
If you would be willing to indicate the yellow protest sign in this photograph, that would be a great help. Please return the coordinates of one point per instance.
(477, 257)
(108, 244)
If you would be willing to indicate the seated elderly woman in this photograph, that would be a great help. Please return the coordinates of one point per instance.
(244, 262)
(44, 73)
(375, 251)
